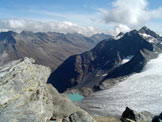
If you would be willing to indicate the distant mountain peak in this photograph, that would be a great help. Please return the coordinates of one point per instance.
(9, 36)
(8, 33)
(120, 34)
(27, 33)
(146, 30)
(100, 36)
(131, 33)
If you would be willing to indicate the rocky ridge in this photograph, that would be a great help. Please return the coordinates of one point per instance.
(25, 96)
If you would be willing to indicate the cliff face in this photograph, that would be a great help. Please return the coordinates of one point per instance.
(25, 96)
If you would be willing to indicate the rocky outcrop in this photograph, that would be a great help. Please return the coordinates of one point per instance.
(79, 117)
(25, 96)
(23, 93)
(130, 115)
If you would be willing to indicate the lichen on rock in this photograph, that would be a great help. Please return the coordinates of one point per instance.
(23, 93)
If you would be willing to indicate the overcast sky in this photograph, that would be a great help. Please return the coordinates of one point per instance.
(83, 16)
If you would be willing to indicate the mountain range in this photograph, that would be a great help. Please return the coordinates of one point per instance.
(109, 62)
(124, 70)
(49, 49)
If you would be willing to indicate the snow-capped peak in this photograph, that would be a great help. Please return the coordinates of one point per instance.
(148, 32)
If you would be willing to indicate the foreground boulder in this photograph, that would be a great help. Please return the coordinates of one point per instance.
(132, 116)
(25, 96)
(79, 116)
(23, 93)
(157, 118)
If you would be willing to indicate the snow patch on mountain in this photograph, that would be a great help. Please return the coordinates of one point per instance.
(126, 59)
(104, 75)
(147, 37)
(141, 91)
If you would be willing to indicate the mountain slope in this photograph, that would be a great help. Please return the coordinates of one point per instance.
(49, 49)
(105, 61)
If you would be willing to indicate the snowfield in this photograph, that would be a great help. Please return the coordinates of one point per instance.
(141, 92)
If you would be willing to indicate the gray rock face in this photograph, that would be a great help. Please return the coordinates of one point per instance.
(79, 116)
(23, 93)
(25, 96)
(132, 116)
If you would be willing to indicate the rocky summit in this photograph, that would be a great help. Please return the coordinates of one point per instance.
(25, 96)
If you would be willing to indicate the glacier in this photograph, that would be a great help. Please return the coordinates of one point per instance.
(141, 92)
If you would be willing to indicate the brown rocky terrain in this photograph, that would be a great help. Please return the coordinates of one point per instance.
(49, 49)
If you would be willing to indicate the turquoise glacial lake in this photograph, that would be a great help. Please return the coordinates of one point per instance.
(75, 97)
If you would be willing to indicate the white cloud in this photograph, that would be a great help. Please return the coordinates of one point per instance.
(130, 12)
(121, 28)
(19, 25)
